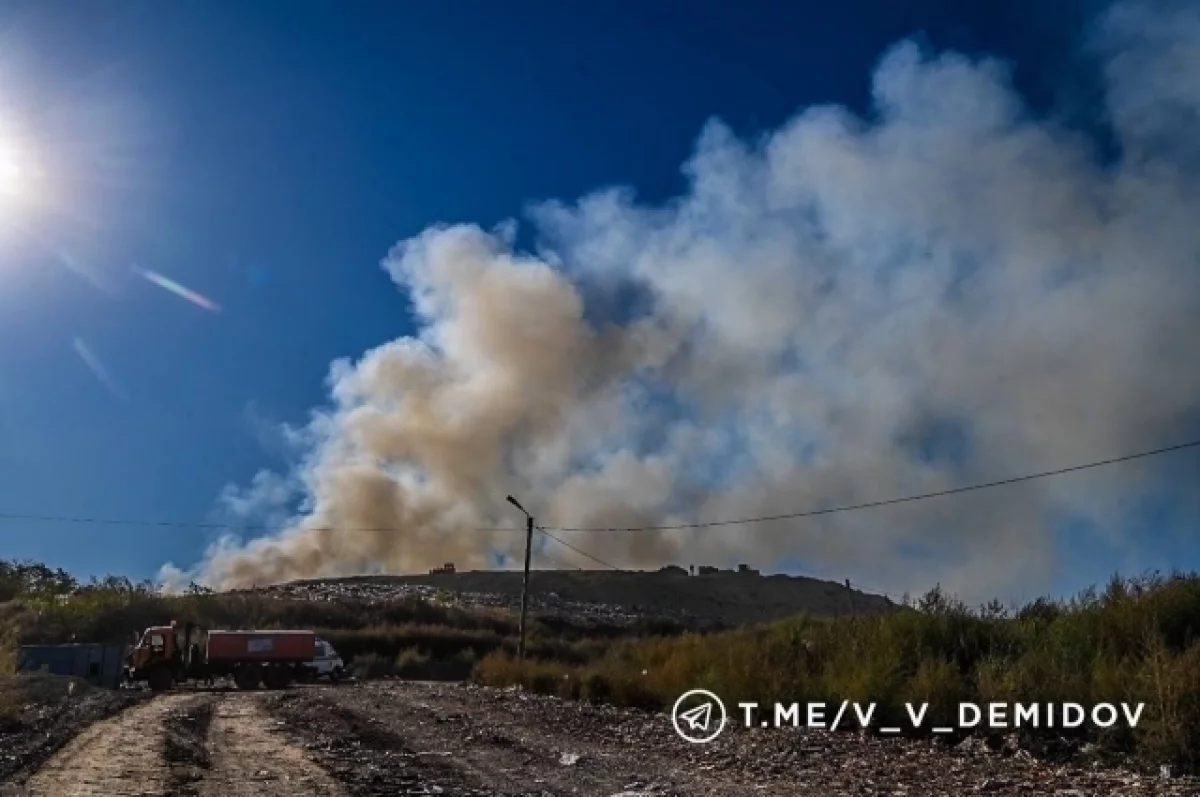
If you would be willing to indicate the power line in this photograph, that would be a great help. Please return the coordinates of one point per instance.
(905, 499)
(557, 562)
(184, 524)
(577, 550)
(546, 530)
(561, 564)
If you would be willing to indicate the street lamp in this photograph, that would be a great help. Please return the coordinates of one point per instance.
(525, 581)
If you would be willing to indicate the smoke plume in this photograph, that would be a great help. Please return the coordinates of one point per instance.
(849, 310)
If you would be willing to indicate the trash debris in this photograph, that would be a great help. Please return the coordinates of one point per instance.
(540, 744)
(545, 604)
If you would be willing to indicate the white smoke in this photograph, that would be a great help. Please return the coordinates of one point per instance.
(952, 292)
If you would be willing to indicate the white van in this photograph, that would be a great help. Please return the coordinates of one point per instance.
(327, 663)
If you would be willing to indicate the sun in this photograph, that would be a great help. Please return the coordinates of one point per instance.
(24, 196)
(14, 173)
(20, 172)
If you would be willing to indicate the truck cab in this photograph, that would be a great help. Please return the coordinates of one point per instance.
(155, 657)
(156, 642)
(327, 663)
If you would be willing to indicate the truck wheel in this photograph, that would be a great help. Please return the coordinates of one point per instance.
(335, 675)
(248, 677)
(160, 679)
(277, 678)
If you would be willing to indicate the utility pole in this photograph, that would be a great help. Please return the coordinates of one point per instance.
(525, 581)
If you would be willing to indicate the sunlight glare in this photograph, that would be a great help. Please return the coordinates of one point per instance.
(15, 172)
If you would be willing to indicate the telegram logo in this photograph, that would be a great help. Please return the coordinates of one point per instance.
(699, 716)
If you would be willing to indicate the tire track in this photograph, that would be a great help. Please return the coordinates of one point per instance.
(368, 759)
(183, 745)
(250, 757)
(117, 757)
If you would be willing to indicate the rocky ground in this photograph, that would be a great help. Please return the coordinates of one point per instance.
(396, 738)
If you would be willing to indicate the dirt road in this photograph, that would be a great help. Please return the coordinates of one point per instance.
(119, 756)
(395, 738)
(207, 744)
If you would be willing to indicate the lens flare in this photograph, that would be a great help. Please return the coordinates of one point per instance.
(97, 368)
(179, 290)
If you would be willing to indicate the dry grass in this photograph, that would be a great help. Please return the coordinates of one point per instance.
(10, 697)
(414, 663)
(1138, 642)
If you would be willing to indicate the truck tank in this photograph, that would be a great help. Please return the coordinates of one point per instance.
(265, 646)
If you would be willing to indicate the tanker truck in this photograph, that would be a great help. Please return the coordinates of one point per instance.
(163, 657)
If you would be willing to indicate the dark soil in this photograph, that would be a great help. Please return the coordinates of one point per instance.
(185, 747)
(368, 758)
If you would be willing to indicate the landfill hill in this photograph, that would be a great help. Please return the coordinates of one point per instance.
(726, 597)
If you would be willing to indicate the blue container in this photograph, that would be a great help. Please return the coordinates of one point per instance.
(100, 665)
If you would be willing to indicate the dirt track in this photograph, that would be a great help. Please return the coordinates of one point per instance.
(398, 738)
(119, 756)
(218, 744)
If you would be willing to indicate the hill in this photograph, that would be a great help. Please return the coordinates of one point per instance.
(724, 597)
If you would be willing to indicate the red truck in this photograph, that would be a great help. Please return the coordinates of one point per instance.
(163, 657)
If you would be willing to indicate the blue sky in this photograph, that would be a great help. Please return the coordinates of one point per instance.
(269, 160)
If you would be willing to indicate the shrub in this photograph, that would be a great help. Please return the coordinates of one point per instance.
(412, 663)
(499, 669)
(594, 687)
(10, 702)
(372, 665)
(8, 654)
